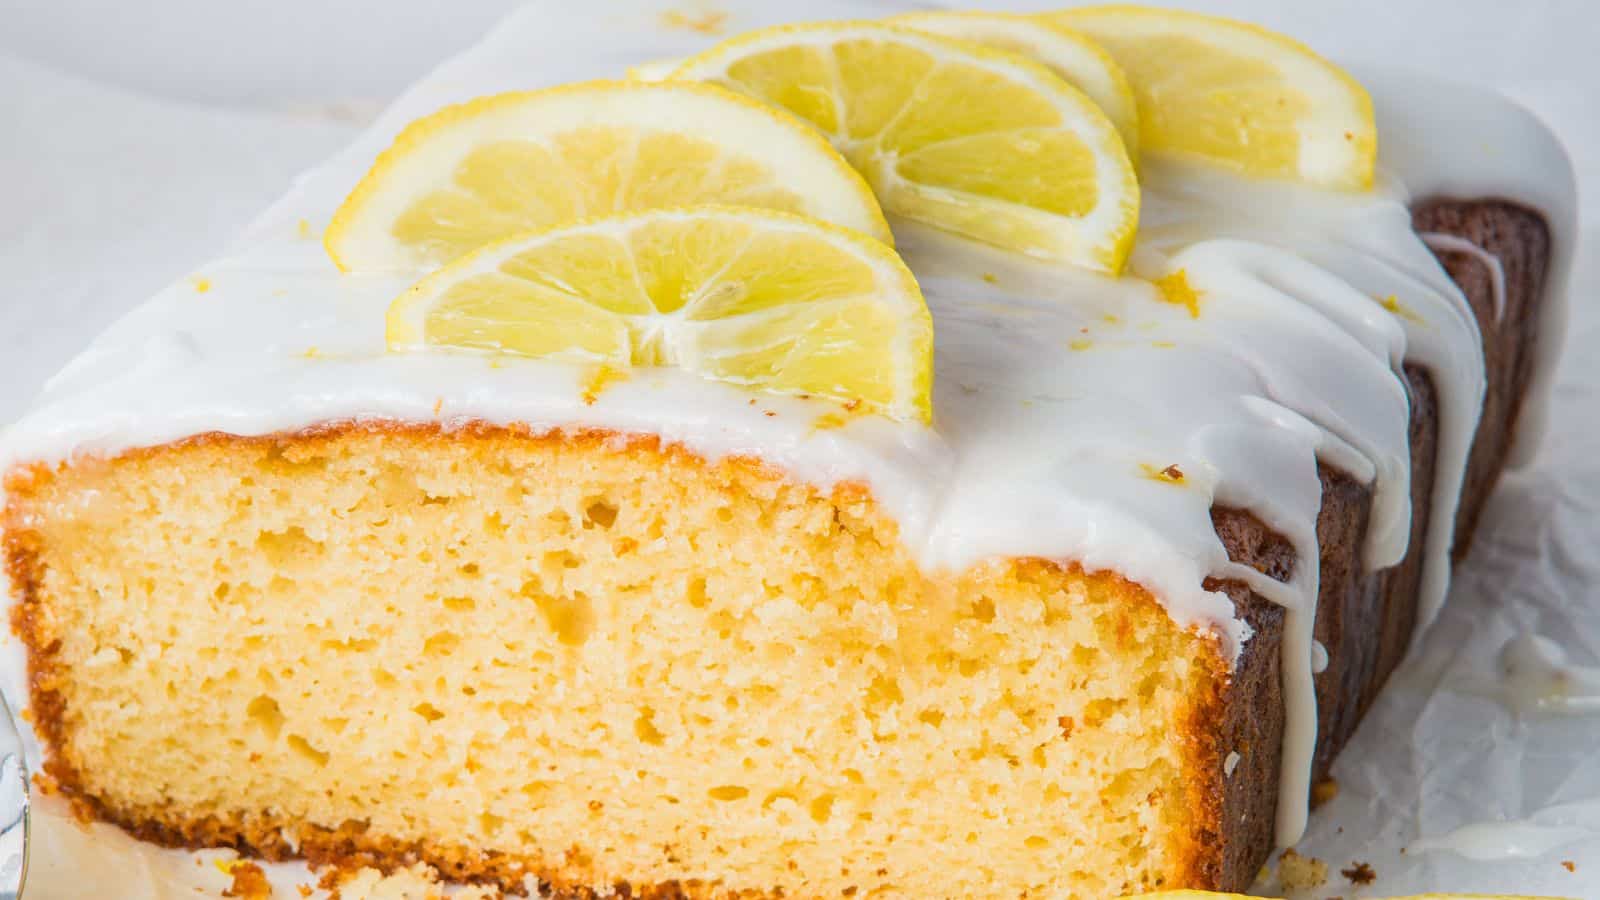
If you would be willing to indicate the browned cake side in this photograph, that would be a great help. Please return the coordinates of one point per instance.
(1365, 620)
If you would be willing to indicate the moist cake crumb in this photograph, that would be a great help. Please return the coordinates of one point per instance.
(1296, 872)
(1324, 791)
(249, 882)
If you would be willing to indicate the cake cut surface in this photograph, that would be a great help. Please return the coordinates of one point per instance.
(596, 660)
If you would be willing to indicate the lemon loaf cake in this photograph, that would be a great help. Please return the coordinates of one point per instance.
(617, 502)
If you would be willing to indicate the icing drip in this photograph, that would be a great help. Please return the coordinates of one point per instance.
(1055, 390)
(1450, 243)
(1537, 677)
(1500, 841)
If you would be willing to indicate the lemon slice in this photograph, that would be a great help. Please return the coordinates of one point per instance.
(986, 144)
(1079, 61)
(497, 166)
(1236, 95)
(776, 301)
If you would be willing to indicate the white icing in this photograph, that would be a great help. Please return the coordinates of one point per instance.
(1319, 658)
(1497, 274)
(1230, 763)
(1453, 140)
(1058, 392)
(1537, 677)
(1501, 841)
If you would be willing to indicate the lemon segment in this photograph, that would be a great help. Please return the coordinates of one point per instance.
(778, 302)
(497, 166)
(983, 143)
(1078, 60)
(1236, 95)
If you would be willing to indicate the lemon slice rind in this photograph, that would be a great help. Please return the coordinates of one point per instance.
(693, 336)
(1336, 138)
(426, 154)
(1073, 56)
(1098, 240)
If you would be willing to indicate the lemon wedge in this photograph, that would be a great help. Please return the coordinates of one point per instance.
(472, 174)
(775, 301)
(1236, 95)
(1078, 60)
(951, 134)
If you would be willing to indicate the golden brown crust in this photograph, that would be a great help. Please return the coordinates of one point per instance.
(1520, 239)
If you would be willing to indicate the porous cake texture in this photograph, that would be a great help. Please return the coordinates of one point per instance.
(597, 660)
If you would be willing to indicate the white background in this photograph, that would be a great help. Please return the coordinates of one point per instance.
(267, 52)
(136, 139)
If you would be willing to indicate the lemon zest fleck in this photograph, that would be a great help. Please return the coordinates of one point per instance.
(202, 285)
(1392, 304)
(708, 21)
(600, 378)
(1166, 474)
(1175, 289)
(1080, 344)
(855, 409)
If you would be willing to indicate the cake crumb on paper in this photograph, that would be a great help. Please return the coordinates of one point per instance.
(1297, 873)
(249, 882)
(419, 882)
(1569, 865)
(1323, 792)
(1359, 874)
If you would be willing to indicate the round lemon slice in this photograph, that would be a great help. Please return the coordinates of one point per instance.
(1236, 95)
(1078, 60)
(500, 165)
(775, 301)
(983, 143)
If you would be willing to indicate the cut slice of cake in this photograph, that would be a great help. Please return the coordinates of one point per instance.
(618, 568)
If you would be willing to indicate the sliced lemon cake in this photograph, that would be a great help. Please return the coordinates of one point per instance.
(951, 455)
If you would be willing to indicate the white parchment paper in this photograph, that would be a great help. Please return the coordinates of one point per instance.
(1463, 777)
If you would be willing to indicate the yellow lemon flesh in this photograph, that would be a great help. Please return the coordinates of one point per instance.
(1078, 60)
(1237, 96)
(512, 163)
(951, 134)
(777, 302)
